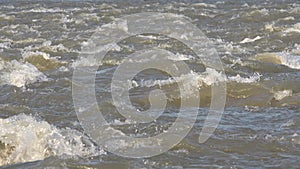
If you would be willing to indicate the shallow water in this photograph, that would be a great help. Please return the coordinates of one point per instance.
(258, 43)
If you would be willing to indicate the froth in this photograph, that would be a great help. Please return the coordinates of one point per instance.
(284, 58)
(19, 74)
(27, 139)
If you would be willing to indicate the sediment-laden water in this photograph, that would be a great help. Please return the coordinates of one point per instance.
(259, 46)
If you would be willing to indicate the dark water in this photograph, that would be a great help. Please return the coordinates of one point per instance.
(257, 41)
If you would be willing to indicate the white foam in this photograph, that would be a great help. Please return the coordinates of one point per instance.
(5, 45)
(28, 54)
(63, 69)
(263, 11)
(148, 37)
(197, 80)
(294, 29)
(6, 17)
(252, 79)
(19, 74)
(190, 80)
(94, 61)
(289, 18)
(296, 50)
(44, 10)
(295, 10)
(292, 61)
(28, 139)
(296, 138)
(289, 123)
(47, 45)
(117, 24)
(65, 19)
(248, 40)
(279, 95)
(270, 27)
(204, 5)
(179, 57)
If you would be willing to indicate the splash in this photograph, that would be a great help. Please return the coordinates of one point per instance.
(248, 40)
(284, 58)
(19, 74)
(279, 95)
(198, 80)
(25, 139)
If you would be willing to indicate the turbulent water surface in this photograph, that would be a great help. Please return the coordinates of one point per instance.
(259, 46)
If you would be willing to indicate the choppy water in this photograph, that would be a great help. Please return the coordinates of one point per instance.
(259, 46)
